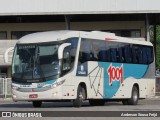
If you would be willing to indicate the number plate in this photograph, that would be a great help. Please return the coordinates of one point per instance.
(33, 96)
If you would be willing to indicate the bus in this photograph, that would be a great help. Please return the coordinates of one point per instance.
(76, 66)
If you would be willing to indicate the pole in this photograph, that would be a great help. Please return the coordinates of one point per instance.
(67, 22)
(155, 37)
(147, 28)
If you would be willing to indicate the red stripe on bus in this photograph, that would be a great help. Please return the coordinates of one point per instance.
(110, 39)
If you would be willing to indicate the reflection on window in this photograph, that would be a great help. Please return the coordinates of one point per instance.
(69, 54)
(113, 54)
(127, 52)
(98, 50)
(3, 35)
(85, 51)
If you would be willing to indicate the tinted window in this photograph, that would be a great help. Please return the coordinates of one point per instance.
(95, 50)
(142, 54)
(120, 55)
(109, 51)
(113, 54)
(149, 54)
(127, 53)
(72, 49)
(102, 51)
(144, 51)
(85, 50)
(135, 54)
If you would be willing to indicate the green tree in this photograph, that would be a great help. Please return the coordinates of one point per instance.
(157, 54)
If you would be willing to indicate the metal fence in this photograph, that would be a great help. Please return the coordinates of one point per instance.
(5, 87)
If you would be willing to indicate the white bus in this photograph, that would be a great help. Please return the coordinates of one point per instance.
(77, 66)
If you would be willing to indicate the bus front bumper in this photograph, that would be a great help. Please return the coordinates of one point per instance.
(52, 94)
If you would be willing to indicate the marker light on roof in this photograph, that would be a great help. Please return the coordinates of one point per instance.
(110, 39)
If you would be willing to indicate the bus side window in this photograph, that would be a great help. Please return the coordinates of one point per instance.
(134, 54)
(144, 55)
(108, 57)
(85, 51)
(149, 55)
(66, 60)
(73, 50)
(102, 55)
(95, 50)
(121, 57)
(114, 54)
(102, 51)
(140, 59)
(127, 53)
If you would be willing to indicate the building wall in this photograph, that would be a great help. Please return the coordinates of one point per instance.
(9, 27)
(116, 25)
(103, 25)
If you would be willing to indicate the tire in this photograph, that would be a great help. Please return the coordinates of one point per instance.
(37, 104)
(97, 102)
(134, 97)
(81, 95)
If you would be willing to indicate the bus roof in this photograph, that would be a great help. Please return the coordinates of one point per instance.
(50, 36)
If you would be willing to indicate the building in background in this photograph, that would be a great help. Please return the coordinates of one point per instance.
(128, 18)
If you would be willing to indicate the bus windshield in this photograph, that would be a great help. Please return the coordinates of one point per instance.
(39, 62)
(35, 61)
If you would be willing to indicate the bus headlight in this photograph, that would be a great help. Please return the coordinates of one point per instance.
(14, 87)
(58, 83)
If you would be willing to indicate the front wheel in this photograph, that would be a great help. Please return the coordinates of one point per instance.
(81, 95)
(134, 97)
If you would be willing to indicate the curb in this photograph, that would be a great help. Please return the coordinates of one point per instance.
(153, 98)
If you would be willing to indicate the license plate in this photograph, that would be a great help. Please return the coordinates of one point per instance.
(25, 86)
(33, 96)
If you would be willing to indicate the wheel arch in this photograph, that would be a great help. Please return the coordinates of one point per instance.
(83, 84)
(137, 86)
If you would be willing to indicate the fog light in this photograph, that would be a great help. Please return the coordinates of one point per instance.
(54, 86)
(54, 93)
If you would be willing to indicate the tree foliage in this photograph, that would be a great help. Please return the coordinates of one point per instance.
(157, 54)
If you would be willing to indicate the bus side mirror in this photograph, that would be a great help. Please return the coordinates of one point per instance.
(61, 49)
(6, 54)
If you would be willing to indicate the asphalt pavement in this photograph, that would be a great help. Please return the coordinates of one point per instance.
(62, 109)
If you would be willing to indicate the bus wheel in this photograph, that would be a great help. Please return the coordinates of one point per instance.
(37, 104)
(97, 102)
(81, 95)
(134, 97)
